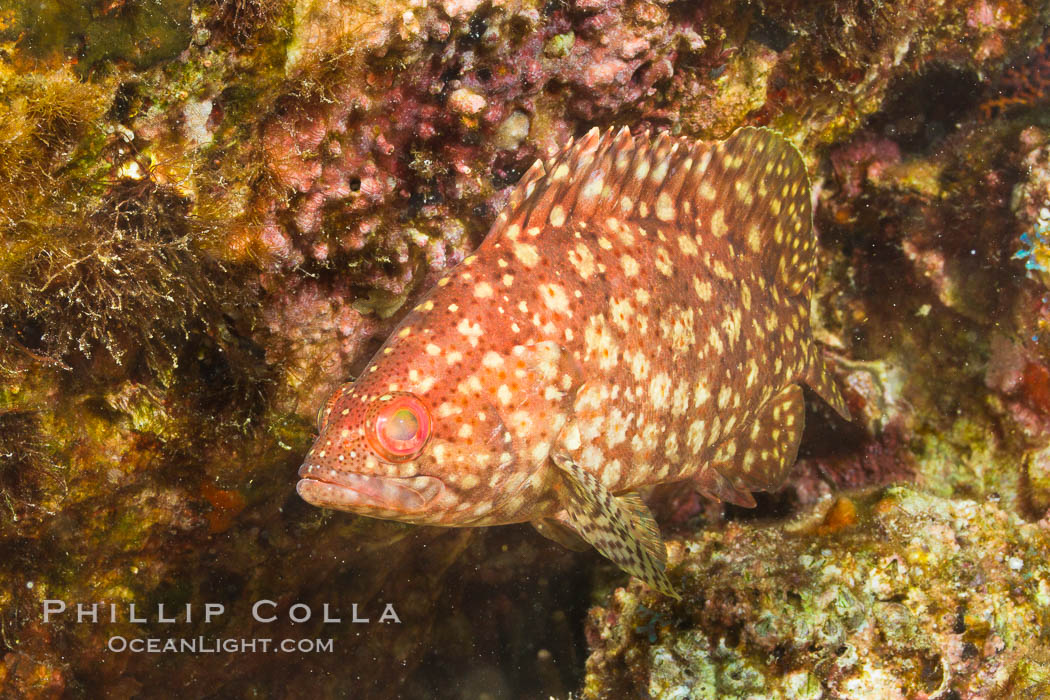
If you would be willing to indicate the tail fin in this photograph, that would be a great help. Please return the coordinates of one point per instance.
(820, 379)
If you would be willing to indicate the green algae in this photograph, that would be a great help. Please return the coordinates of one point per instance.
(28, 465)
(559, 45)
(128, 271)
(49, 136)
(139, 32)
(965, 460)
(382, 303)
(98, 255)
(257, 24)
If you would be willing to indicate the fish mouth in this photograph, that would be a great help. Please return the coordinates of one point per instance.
(388, 495)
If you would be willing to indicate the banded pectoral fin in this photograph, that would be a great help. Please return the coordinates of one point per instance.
(559, 530)
(760, 456)
(621, 528)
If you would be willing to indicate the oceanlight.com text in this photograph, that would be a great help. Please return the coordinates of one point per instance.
(209, 645)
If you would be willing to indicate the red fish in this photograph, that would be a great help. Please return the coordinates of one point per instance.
(637, 315)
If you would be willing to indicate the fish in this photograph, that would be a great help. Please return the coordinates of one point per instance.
(638, 314)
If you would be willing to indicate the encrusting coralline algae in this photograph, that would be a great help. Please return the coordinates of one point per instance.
(888, 594)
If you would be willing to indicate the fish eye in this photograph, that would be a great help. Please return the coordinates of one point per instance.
(401, 429)
(402, 425)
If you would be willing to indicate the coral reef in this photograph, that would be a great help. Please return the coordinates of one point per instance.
(1024, 84)
(890, 594)
(212, 212)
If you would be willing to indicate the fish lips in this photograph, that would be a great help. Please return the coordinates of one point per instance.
(366, 494)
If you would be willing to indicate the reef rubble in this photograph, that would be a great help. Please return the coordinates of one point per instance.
(889, 593)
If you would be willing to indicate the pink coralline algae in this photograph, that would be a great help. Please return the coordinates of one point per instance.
(306, 155)
(864, 158)
(321, 338)
(415, 139)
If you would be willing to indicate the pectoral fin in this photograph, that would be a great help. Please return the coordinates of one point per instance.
(554, 529)
(621, 529)
(761, 455)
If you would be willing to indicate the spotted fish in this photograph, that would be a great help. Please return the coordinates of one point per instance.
(638, 314)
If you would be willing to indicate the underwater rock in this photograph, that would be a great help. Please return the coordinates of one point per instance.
(211, 213)
(98, 34)
(1037, 475)
(841, 601)
(1030, 201)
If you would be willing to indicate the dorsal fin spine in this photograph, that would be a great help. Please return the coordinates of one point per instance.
(624, 145)
(631, 184)
(589, 162)
(681, 172)
(517, 195)
(587, 201)
(537, 204)
(559, 183)
(623, 152)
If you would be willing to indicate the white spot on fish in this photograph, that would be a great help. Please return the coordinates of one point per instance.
(526, 254)
(659, 390)
(718, 223)
(472, 331)
(620, 312)
(554, 298)
(616, 429)
(630, 265)
(591, 458)
(664, 207)
(557, 215)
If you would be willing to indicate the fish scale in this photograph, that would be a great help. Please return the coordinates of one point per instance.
(638, 314)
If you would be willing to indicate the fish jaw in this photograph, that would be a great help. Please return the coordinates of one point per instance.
(375, 496)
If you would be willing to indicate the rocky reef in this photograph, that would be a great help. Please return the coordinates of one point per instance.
(212, 212)
(891, 593)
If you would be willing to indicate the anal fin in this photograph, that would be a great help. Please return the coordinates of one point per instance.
(761, 455)
(621, 529)
(711, 484)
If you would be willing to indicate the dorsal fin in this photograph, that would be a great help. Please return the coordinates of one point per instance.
(749, 192)
(763, 189)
